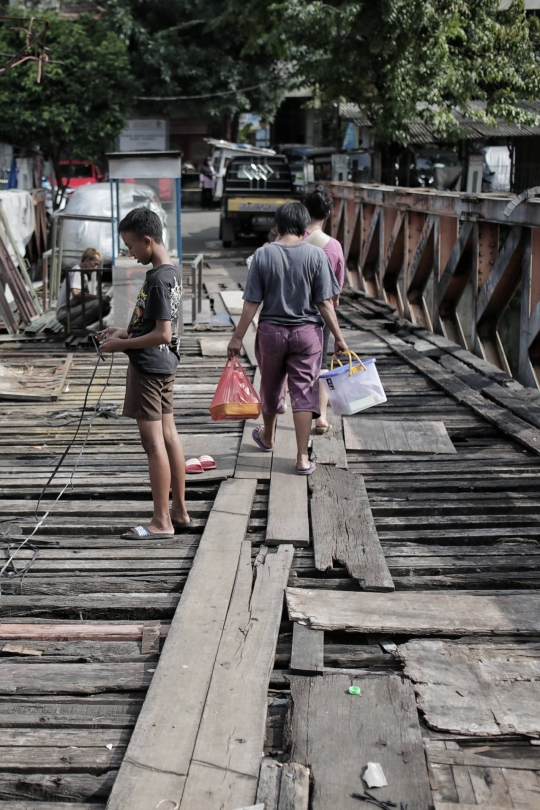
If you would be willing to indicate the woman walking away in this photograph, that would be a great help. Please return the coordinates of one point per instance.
(319, 205)
(295, 283)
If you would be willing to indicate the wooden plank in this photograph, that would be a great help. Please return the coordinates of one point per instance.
(377, 435)
(269, 783)
(396, 437)
(76, 679)
(294, 793)
(157, 760)
(227, 755)
(70, 631)
(329, 447)
(338, 733)
(36, 383)
(252, 462)
(359, 437)
(524, 789)
(344, 529)
(31, 805)
(61, 760)
(50, 786)
(488, 689)
(463, 784)
(454, 806)
(150, 638)
(464, 758)
(490, 787)
(419, 613)
(307, 655)
(288, 520)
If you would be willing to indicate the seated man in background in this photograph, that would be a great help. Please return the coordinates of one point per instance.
(90, 260)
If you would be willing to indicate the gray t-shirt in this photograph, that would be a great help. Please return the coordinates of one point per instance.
(290, 280)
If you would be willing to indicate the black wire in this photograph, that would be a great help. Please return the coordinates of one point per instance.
(19, 546)
(70, 445)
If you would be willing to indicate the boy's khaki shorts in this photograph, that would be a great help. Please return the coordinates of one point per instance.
(148, 396)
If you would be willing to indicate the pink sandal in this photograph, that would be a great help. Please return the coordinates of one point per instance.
(207, 463)
(193, 466)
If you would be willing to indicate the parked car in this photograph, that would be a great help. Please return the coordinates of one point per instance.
(95, 200)
(77, 173)
(253, 189)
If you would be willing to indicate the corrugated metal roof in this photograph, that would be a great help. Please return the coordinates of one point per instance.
(470, 128)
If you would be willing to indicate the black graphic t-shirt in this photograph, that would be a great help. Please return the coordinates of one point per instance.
(159, 299)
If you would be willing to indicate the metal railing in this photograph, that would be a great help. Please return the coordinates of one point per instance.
(194, 281)
(450, 262)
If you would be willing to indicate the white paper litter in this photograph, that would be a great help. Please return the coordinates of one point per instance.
(109, 746)
(374, 776)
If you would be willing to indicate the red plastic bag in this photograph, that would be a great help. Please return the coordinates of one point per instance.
(235, 397)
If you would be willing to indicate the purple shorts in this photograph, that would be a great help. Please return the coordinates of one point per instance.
(293, 352)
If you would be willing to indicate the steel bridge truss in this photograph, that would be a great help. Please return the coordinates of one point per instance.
(450, 262)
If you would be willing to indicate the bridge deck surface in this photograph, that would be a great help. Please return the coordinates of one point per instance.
(448, 663)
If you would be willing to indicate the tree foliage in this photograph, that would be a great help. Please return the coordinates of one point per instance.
(80, 104)
(178, 47)
(404, 60)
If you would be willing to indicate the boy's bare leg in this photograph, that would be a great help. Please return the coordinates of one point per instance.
(153, 443)
(177, 463)
(302, 426)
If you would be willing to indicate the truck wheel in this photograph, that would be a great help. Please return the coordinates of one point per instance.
(227, 243)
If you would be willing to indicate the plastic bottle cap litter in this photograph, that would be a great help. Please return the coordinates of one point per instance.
(355, 690)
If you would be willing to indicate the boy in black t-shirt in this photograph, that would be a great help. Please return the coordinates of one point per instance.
(152, 347)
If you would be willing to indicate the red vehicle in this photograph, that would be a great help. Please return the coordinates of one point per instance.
(76, 173)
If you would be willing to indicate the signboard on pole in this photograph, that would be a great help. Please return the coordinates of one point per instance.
(144, 134)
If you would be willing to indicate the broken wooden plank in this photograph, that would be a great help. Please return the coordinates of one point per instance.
(157, 760)
(419, 613)
(329, 447)
(486, 689)
(338, 734)
(378, 435)
(150, 638)
(344, 530)
(39, 382)
(307, 655)
(288, 520)
(227, 756)
(269, 783)
(294, 792)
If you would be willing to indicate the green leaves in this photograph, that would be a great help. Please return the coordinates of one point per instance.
(85, 92)
(404, 60)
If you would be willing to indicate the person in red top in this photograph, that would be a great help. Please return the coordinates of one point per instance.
(319, 205)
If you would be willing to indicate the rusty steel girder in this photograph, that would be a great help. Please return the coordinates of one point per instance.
(450, 262)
